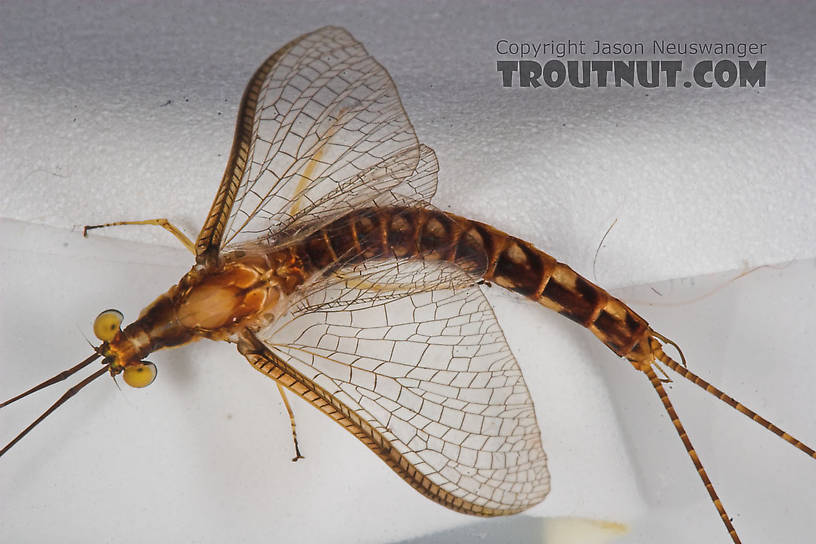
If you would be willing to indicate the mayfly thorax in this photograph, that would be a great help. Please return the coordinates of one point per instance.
(324, 262)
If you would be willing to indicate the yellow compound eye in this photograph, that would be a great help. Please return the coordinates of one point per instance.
(140, 375)
(106, 324)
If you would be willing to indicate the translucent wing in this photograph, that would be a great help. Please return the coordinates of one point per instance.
(319, 119)
(362, 192)
(424, 379)
(420, 187)
(375, 281)
(406, 354)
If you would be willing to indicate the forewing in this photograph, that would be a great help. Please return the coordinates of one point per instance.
(327, 121)
(432, 382)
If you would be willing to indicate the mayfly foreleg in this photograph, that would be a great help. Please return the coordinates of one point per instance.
(163, 223)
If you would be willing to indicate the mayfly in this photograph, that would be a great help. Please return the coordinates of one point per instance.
(324, 262)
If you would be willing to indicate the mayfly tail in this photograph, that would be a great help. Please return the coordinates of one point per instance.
(56, 379)
(68, 394)
(730, 401)
(681, 431)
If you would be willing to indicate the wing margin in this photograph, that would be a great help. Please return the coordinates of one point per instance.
(268, 363)
(209, 239)
(257, 183)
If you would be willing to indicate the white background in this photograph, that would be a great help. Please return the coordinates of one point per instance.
(700, 181)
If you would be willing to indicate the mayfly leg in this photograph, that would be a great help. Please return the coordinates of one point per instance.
(163, 223)
(282, 392)
(181, 237)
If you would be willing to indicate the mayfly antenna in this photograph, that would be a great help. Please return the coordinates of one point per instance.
(56, 379)
(68, 394)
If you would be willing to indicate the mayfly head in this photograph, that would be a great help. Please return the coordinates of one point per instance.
(120, 351)
(117, 351)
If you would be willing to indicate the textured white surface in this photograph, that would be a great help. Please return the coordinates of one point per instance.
(699, 181)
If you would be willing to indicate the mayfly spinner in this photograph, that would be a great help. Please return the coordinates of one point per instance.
(324, 262)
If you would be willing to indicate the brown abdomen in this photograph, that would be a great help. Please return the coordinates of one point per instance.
(482, 250)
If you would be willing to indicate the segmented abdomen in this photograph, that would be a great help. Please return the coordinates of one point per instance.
(486, 252)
